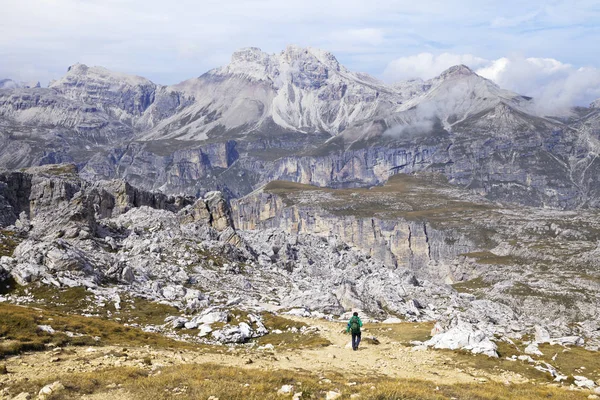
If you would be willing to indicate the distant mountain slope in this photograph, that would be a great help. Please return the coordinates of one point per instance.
(300, 115)
(301, 90)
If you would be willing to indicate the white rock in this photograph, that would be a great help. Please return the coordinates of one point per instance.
(204, 330)
(463, 335)
(299, 312)
(286, 390)
(331, 395)
(533, 349)
(211, 318)
(568, 341)
(582, 381)
(541, 335)
(245, 329)
(47, 329)
(49, 390)
(191, 325)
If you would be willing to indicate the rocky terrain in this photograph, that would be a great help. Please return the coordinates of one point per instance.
(416, 248)
(258, 205)
(301, 116)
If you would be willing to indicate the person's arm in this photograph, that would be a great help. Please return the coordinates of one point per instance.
(348, 327)
(360, 322)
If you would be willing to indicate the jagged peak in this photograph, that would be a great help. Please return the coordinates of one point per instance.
(595, 104)
(292, 54)
(457, 70)
(297, 53)
(249, 54)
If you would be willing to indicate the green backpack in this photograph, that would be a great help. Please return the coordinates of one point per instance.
(354, 325)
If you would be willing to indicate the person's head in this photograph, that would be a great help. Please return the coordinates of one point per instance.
(355, 314)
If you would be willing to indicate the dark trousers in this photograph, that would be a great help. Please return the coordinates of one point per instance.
(355, 340)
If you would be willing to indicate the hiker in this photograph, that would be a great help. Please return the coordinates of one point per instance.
(354, 326)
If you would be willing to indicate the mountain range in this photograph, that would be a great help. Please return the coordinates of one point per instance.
(300, 115)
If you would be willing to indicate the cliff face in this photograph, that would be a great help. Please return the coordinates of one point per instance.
(415, 245)
(553, 169)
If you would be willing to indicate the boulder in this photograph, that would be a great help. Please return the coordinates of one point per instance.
(568, 341)
(463, 335)
(286, 390)
(533, 349)
(583, 382)
(204, 330)
(211, 318)
(50, 390)
(541, 334)
(234, 334)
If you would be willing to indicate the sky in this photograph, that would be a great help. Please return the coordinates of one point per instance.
(534, 47)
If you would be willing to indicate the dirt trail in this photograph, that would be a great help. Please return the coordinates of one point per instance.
(389, 358)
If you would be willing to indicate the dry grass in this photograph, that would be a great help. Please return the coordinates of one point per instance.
(133, 309)
(403, 333)
(423, 197)
(573, 360)
(289, 339)
(199, 381)
(19, 331)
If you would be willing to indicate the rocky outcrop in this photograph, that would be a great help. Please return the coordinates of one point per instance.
(398, 242)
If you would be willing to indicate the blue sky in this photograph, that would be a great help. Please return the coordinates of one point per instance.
(172, 41)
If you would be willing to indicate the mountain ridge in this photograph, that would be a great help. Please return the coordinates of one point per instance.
(302, 116)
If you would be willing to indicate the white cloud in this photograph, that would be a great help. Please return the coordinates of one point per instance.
(427, 65)
(555, 85)
(184, 38)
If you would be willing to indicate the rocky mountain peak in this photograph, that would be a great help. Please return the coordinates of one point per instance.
(457, 71)
(302, 65)
(249, 55)
(121, 95)
(595, 104)
(307, 55)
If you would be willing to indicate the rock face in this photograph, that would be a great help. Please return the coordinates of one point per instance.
(301, 116)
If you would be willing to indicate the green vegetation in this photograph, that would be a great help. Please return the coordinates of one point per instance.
(572, 360)
(472, 285)
(8, 242)
(200, 381)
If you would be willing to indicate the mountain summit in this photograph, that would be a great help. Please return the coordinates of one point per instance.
(300, 115)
